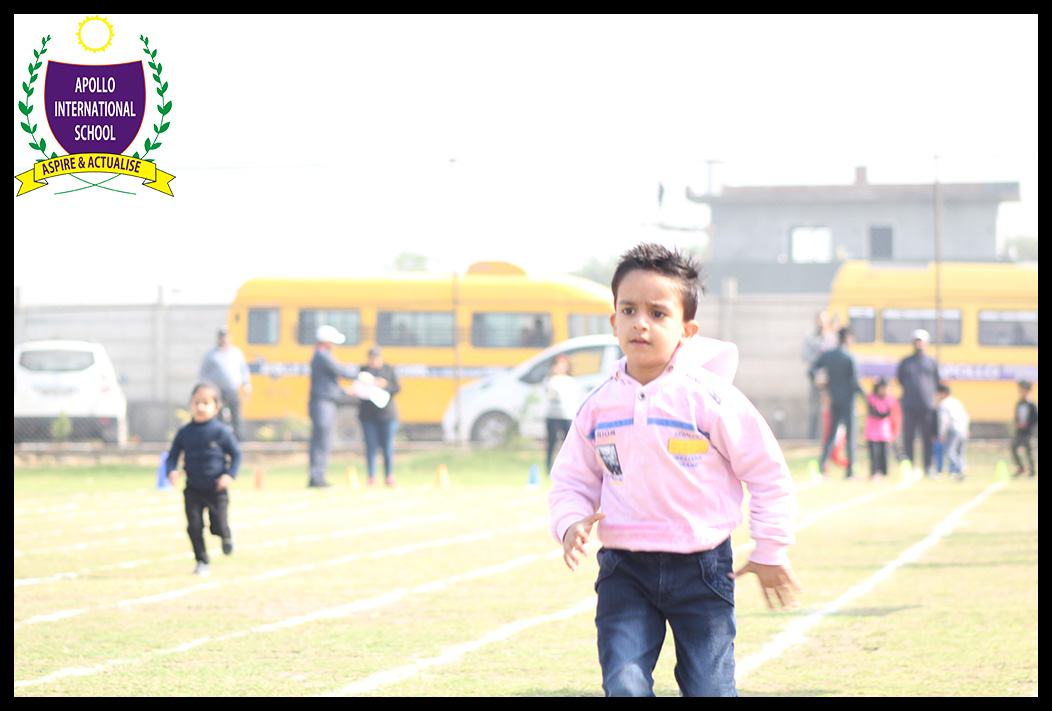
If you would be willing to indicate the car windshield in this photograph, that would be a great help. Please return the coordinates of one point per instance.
(61, 361)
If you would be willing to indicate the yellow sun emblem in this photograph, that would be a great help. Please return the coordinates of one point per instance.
(95, 34)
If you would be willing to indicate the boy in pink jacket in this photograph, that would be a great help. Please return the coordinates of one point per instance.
(657, 455)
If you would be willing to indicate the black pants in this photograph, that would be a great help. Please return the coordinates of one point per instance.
(1021, 440)
(557, 431)
(878, 458)
(924, 421)
(217, 503)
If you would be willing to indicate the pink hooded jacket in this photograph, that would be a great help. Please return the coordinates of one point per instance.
(666, 461)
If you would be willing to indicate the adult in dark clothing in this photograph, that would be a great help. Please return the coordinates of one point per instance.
(1025, 428)
(918, 375)
(841, 383)
(379, 421)
(325, 394)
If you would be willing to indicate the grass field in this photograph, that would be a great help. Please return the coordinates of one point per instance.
(921, 590)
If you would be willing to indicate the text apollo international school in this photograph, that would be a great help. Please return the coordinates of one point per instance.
(94, 109)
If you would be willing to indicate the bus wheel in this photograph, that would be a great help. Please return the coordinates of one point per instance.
(492, 429)
(348, 428)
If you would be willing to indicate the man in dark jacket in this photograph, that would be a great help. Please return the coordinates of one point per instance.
(918, 374)
(1025, 428)
(325, 393)
(841, 383)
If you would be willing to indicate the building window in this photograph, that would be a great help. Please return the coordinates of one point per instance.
(511, 330)
(349, 323)
(811, 244)
(880, 243)
(263, 326)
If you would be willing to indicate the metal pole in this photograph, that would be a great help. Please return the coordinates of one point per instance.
(456, 355)
(938, 264)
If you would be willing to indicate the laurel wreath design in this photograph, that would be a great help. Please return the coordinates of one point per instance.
(26, 108)
(163, 108)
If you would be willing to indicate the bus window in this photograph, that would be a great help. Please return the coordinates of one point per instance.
(863, 322)
(433, 329)
(263, 326)
(349, 323)
(587, 325)
(1008, 328)
(899, 324)
(511, 330)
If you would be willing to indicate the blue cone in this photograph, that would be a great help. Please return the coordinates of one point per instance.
(162, 474)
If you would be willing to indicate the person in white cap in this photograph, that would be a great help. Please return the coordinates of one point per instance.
(918, 375)
(325, 393)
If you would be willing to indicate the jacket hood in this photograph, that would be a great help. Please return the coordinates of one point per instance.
(719, 357)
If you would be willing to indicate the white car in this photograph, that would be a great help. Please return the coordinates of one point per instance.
(490, 408)
(71, 378)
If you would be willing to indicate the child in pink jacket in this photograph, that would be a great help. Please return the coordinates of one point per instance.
(657, 455)
(880, 427)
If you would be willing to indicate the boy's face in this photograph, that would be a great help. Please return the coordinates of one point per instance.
(203, 405)
(648, 322)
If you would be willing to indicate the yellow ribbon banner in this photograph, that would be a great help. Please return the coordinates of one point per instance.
(152, 176)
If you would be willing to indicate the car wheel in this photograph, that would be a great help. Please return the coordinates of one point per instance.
(492, 429)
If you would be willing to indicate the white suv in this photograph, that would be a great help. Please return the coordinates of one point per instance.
(490, 408)
(71, 378)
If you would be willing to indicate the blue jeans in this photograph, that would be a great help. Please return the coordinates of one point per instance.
(379, 434)
(322, 418)
(638, 592)
(954, 449)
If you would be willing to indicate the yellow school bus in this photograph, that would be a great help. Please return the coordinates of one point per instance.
(987, 339)
(437, 331)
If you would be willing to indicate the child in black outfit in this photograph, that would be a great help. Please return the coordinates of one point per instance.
(212, 458)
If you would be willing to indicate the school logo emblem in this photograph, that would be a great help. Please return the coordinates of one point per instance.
(94, 112)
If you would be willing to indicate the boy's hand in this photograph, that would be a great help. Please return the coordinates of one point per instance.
(223, 482)
(576, 538)
(173, 476)
(776, 580)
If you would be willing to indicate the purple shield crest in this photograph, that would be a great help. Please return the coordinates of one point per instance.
(95, 108)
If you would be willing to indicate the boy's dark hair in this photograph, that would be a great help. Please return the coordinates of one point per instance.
(682, 268)
(1025, 384)
(205, 385)
(842, 334)
(943, 388)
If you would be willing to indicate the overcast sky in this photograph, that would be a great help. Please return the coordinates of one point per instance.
(325, 146)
